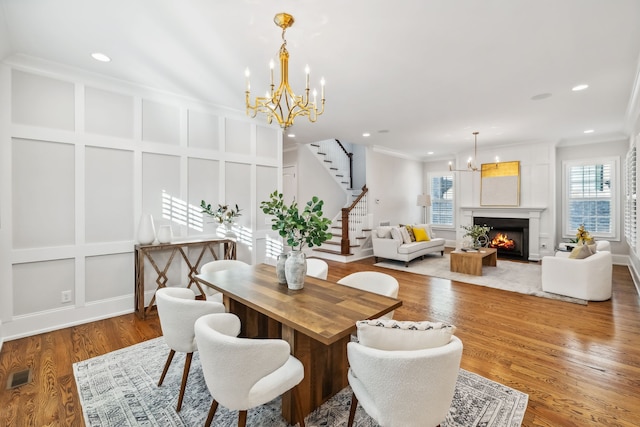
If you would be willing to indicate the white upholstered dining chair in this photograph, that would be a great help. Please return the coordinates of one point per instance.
(219, 265)
(405, 381)
(317, 268)
(373, 281)
(178, 311)
(242, 373)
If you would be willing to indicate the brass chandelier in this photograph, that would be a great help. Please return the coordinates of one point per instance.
(282, 103)
(470, 166)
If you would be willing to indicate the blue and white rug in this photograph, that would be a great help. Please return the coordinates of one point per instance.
(119, 389)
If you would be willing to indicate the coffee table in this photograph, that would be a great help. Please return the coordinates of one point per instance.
(472, 262)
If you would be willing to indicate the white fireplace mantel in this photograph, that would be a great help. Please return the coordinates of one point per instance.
(531, 213)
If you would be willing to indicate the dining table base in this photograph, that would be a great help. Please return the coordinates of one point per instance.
(325, 366)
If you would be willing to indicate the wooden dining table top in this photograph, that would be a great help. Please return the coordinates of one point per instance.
(323, 310)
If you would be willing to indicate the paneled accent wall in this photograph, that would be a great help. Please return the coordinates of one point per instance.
(82, 159)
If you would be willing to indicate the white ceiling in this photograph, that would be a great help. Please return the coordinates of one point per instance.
(419, 75)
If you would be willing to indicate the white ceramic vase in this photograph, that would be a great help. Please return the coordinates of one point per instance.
(146, 230)
(165, 234)
(226, 229)
(280, 266)
(295, 269)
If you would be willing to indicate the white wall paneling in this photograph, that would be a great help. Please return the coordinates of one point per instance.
(204, 183)
(267, 142)
(38, 286)
(160, 122)
(237, 137)
(42, 101)
(43, 194)
(108, 195)
(203, 130)
(82, 159)
(108, 113)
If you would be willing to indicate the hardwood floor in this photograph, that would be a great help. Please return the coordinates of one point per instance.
(580, 365)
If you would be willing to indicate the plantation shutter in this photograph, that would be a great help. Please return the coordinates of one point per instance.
(442, 198)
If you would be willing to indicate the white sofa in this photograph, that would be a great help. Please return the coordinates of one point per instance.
(589, 278)
(387, 247)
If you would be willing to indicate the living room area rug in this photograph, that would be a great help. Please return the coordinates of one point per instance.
(521, 277)
(119, 389)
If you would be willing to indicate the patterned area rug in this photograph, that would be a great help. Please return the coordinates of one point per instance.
(119, 389)
(524, 278)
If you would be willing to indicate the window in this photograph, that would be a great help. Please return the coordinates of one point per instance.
(630, 215)
(442, 198)
(590, 190)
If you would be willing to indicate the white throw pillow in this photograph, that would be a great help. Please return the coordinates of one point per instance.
(405, 235)
(387, 334)
(395, 234)
(384, 232)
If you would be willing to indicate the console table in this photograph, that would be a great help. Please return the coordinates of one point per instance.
(143, 252)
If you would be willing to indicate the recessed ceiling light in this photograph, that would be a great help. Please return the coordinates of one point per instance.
(589, 131)
(292, 135)
(541, 96)
(100, 57)
(430, 152)
(366, 134)
(579, 87)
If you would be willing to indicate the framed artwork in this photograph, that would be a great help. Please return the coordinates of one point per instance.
(500, 184)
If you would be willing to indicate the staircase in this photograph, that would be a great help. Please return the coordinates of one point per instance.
(351, 234)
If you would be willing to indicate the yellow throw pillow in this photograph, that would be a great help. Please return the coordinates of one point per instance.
(580, 252)
(421, 234)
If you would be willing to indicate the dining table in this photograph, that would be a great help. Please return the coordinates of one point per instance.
(317, 321)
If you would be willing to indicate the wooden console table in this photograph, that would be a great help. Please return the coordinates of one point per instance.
(143, 252)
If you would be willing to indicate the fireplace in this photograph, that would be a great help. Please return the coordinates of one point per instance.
(510, 236)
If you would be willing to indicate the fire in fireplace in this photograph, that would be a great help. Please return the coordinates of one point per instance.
(502, 241)
(509, 235)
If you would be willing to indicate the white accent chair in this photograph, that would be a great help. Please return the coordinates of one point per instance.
(219, 265)
(373, 281)
(589, 278)
(404, 388)
(178, 311)
(243, 373)
(317, 268)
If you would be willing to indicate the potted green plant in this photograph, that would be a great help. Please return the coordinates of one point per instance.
(224, 215)
(477, 233)
(308, 227)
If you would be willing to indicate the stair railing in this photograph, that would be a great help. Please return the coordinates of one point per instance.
(349, 158)
(352, 219)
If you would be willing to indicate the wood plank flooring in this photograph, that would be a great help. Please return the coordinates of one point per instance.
(580, 365)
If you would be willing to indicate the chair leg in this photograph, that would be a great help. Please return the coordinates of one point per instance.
(166, 366)
(352, 411)
(185, 375)
(212, 412)
(242, 418)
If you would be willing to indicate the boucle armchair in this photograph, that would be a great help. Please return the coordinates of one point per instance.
(178, 311)
(404, 388)
(588, 278)
(243, 373)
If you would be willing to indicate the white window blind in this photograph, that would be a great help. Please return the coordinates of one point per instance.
(442, 199)
(590, 197)
(630, 205)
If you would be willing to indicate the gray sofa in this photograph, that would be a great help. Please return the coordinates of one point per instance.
(389, 244)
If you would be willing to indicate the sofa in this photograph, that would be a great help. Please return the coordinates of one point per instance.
(586, 278)
(391, 242)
